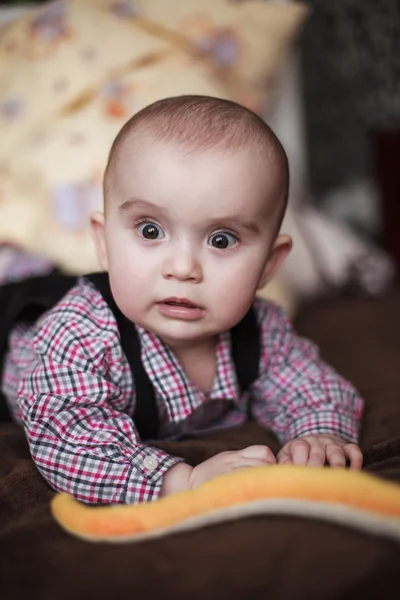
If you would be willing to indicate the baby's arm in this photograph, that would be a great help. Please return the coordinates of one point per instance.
(72, 401)
(298, 395)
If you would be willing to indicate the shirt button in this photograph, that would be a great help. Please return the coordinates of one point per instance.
(150, 463)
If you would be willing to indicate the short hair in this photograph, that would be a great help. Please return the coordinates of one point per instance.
(201, 123)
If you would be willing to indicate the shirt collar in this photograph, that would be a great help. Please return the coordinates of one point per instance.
(180, 396)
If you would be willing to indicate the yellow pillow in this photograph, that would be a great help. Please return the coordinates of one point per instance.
(54, 56)
(246, 39)
(71, 73)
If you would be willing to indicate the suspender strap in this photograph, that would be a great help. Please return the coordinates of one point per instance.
(146, 414)
(246, 351)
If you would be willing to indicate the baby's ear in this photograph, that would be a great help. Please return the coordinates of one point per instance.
(279, 251)
(98, 232)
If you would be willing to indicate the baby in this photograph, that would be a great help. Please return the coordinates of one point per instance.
(195, 191)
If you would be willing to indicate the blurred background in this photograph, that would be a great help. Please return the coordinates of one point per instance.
(324, 74)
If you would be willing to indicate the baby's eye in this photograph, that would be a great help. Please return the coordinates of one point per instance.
(150, 231)
(222, 240)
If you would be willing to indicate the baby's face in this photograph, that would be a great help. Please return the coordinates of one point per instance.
(188, 237)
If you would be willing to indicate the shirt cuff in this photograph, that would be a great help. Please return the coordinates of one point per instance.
(343, 426)
(148, 466)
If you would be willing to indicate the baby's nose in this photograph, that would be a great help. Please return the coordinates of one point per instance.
(183, 265)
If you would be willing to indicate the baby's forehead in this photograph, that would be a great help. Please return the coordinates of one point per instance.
(136, 148)
(238, 181)
(169, 160)
(145, 150)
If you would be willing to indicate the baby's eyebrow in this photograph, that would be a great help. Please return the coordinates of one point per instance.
(237, 221)
(132, 203)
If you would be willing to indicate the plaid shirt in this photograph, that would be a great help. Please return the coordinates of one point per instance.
(68, 382)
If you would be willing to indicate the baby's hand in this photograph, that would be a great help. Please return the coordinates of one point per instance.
(317, 450)
(183, 477)
(225, 462)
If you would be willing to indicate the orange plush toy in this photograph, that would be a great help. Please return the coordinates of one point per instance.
(347, 498)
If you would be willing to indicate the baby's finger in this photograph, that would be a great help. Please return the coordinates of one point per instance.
(283, 456)
(335, 456)
(354, 455)
(316, 457)
(262, 453)
(244, 463)
(300, 451)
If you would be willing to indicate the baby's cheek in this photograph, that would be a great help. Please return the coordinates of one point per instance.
(129, 280)
(130, 265)
(232, 298)
(237, 280)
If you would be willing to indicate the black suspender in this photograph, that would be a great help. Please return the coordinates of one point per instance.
(246, 349)
(28, 299)
(146, 414)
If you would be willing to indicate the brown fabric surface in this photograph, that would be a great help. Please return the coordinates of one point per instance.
(255, 558)
(361, 339)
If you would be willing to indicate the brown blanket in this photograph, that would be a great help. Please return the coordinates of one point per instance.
(254, 558)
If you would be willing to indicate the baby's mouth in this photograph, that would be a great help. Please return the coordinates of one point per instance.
(179, 302)
(181, 309)
(185, 304)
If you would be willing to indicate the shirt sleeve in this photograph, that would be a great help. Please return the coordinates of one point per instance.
(297, 393)
(72, 400)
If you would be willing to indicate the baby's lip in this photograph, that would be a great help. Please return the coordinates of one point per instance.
(174, 301)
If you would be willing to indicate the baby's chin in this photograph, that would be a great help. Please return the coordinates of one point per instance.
(176, 333)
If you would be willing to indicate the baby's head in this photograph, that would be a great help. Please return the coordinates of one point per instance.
(195, 191)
